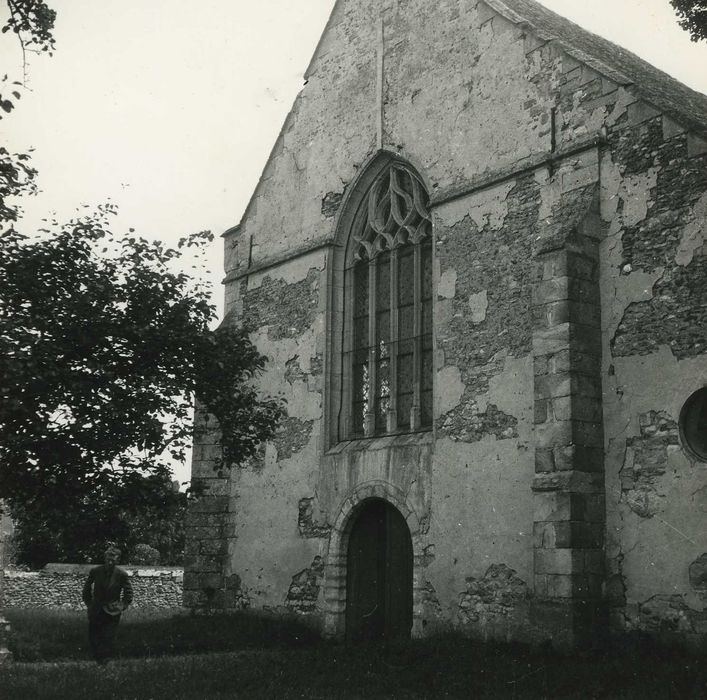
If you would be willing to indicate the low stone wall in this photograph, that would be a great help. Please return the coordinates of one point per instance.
(60, 586)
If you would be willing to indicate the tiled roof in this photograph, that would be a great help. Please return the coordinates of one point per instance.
(619, 65)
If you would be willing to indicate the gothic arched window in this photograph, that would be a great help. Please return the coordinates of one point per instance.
(388, 328)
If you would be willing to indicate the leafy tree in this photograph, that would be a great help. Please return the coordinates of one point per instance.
(146, 516)
(32, 21)
(104, 346)
(694, 17)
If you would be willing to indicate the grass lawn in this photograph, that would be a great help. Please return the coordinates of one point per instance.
(259, 658)
(58, 635)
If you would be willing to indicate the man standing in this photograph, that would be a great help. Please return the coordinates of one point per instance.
(102, 596)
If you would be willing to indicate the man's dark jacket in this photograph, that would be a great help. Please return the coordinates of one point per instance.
(104, 586)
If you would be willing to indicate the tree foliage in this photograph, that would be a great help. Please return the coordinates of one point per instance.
(104, 348)
(693, 14)
(32, 22)
(147, 515)
(104, 345)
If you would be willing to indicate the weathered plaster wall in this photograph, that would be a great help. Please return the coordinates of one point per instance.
(319, 149)
(654, 282)
(285, 304)
(483, 461)
(443, 78)
(516, 141)
(331, 130)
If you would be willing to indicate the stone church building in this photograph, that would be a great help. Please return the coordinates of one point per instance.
(477, 262)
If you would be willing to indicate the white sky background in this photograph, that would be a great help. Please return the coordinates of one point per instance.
(170, 108)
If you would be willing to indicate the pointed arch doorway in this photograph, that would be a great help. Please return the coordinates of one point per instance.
(379, 568)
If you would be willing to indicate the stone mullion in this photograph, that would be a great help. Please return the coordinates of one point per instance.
(370, 423)
(348, 356)
(392, 418)
(417, 332)
(568, 485)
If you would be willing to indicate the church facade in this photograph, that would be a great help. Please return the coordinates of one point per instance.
(477, 262)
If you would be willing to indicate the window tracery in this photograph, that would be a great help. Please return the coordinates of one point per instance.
(389, 328)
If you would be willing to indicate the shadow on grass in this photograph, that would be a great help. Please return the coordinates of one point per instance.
(54, 635)
(176, 655)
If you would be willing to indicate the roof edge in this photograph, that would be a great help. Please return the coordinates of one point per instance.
(325, 31)
(614, 73)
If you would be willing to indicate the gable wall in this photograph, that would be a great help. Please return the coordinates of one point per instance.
(470, 103)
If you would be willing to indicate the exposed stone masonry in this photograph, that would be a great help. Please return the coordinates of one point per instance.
(467, 424)
(293, 370)
(670, 618)
(493, 261)
(305, 521)
(152, 587)
(648, 462)
(304, 590)
(676, 316)
(677, 312)
(291, 436)
(330, 203)
(497, 594)
(698, 575)
(497, 260)
(208, 529)
(287, 309)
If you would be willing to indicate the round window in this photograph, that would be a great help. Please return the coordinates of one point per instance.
(693, 424)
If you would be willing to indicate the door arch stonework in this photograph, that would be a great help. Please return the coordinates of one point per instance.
(336, 563)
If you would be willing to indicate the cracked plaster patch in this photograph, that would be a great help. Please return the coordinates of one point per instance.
(646, 461)
(289, 369)
(296, 270)
(582, 121)
(487, 207)
(628, 395)
(492, 411)
(449, 389)
(285, 311)
(429, 600)
(610, 184)
(694, 235)
(618, 290)
(507, 388)
(699, 500)
(478, 303)
(624, 99)
(550, 193)
(627, 289)
(667, 613)
(447, 284)
(635, 193)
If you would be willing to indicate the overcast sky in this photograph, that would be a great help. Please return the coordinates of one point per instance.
(170, 108)
(172, 112)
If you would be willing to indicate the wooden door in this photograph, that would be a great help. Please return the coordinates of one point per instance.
(379, 574)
